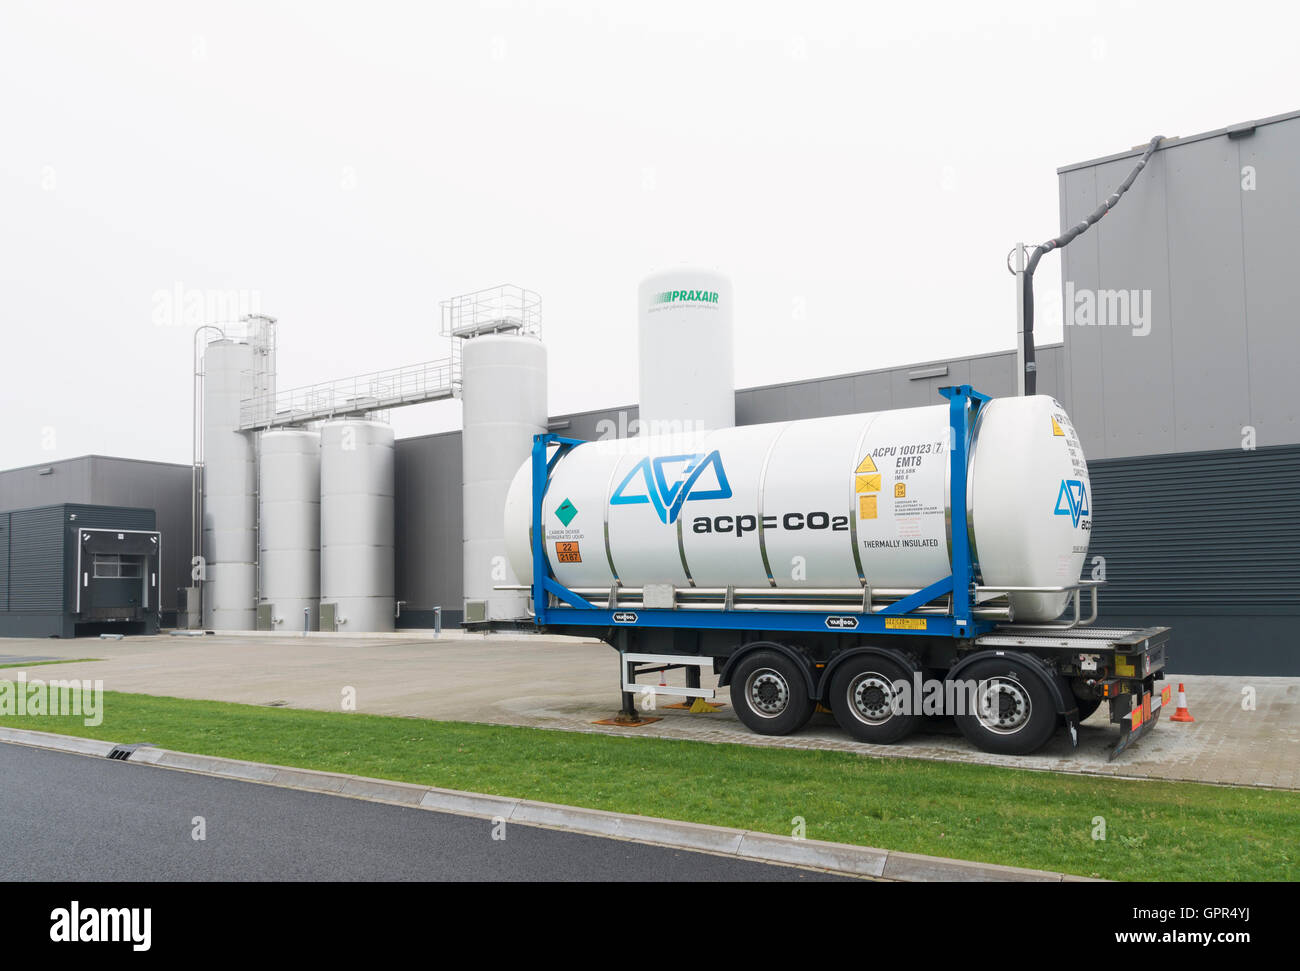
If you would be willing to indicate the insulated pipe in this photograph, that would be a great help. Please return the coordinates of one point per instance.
(1067, 237)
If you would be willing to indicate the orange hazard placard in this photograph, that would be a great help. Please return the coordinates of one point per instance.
(568, 553)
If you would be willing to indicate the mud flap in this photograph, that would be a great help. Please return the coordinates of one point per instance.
(1129, 734)
(1072, 726)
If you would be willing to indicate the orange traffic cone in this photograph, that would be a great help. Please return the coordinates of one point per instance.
(1182, 714)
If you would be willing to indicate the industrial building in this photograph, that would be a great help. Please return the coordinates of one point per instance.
(70, 568)
(1174, 366)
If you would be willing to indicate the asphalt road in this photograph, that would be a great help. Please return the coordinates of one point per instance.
(70, 817)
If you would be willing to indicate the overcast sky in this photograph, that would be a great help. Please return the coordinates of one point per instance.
(859, 171)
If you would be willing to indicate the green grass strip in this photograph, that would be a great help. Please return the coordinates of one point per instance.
(1044, 820)
(38, 664)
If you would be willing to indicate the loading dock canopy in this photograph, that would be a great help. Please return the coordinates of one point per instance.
(119, 541)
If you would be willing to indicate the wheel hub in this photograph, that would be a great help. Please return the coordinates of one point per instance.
(768, 692)
(871, 698)
(1004, 705)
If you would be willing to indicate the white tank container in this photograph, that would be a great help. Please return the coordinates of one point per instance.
(356, 524)
(229, 490)
(684, 338)
(289, 527)
(504, 400)
(825, 503)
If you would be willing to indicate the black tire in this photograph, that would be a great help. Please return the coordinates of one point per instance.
(1025, 716)
(1086, 707)
(862, 693)
(770, 694)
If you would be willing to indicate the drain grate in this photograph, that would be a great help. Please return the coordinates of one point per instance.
(121, 753)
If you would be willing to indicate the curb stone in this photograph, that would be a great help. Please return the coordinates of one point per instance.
(745, 844)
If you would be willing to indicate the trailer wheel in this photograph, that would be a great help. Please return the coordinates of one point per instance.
(770, 694)
(864, 700)
(1013, 712)
(1086, 706)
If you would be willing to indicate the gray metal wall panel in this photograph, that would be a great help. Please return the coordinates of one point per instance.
(1081, 262)
(1208, 534)
(36, 578)
(872, 392)
(1211, 380)
(997, 375)
(835, 396)
(4, 561)
(1270, 214)
(1219, 261)
(1137, 371)
(911, 392)
(428, 509)
(1261, 645)
(758, 405)
(26, 488)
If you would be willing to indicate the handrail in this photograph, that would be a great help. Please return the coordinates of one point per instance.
(1073, 590)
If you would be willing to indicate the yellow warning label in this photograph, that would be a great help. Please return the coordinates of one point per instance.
(900, 490)
(866, 465)
(866, 507)
(904, 623)
(1124, 668)
(867, 483)
(1056, 428)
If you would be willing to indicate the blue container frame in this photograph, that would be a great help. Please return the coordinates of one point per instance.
(964, 404)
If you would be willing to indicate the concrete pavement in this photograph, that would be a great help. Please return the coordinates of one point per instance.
(566, 683)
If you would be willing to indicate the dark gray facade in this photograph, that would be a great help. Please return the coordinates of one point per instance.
(1206, 543)
(428, 504)
(55, 578)
(101, 480)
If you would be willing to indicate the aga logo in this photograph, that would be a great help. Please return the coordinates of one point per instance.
(1072, 500)
(695, 476)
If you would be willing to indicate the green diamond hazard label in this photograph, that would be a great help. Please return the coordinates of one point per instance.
(566, 511)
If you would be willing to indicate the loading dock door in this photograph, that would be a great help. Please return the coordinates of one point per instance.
(118, 570)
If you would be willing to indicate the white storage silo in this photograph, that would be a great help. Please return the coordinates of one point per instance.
(289, 527)
(685, 335)
(504, 399)
(229, 489)
(356, 525)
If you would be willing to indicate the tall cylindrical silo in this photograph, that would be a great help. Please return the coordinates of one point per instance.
(504, 401)
(289, 527)
(685, 336)
(229, 490)
(356, 525)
